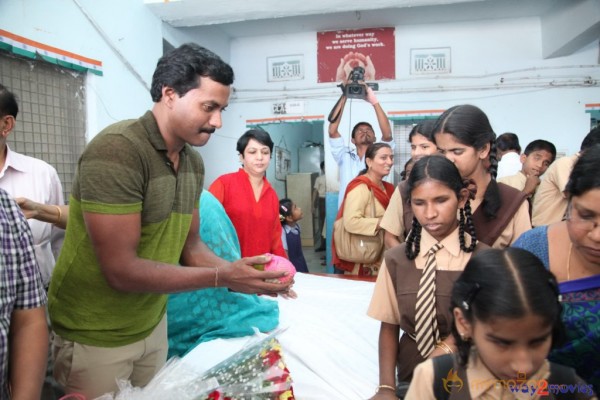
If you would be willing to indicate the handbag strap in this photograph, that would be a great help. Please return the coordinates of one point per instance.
(372, 203)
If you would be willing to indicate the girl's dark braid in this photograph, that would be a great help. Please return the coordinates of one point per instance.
(491, 199)
(413, 242)
(493, 160)
(466, 212)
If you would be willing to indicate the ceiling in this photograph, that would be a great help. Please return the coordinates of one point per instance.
(243, 18)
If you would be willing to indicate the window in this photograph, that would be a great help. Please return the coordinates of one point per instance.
(402, 151)
(51, 121)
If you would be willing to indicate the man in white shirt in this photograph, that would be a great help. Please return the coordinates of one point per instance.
(24, 176)
(352, 161)
(508, 153)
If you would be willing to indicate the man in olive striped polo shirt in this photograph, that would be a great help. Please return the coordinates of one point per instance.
(133, 216)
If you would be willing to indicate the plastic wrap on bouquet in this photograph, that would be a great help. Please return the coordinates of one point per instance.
(177, 379)
(256, 372)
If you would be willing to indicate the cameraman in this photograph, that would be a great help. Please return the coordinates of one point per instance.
(352, 161)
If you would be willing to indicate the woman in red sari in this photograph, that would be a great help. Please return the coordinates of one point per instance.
(364, 190)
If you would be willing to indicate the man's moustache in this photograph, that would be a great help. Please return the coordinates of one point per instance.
(209, 131)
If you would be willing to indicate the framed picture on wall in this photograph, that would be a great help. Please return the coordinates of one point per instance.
(283, 162)
(371, 48)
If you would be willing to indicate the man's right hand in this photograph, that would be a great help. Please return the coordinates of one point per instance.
(29, 207)
(531, 184)
(241, 276)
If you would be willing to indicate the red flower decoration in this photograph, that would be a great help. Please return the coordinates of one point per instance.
(214, 395)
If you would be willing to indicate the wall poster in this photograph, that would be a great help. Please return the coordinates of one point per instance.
(338, 52)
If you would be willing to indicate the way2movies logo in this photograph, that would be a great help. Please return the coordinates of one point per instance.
(521, 384)
(542, 388)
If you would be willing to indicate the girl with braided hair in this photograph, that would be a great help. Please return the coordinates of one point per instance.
(507, 318)
(412, 292)
(500, 213)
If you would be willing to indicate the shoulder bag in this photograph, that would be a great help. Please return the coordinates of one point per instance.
(357, 248)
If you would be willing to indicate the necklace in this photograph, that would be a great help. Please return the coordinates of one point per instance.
(569, 262)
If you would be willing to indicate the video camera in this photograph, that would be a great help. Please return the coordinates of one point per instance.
(354, 89)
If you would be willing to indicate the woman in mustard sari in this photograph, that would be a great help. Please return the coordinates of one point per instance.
(365, 195)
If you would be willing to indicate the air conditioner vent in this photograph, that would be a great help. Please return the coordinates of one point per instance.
(430, 61)
(285, 68)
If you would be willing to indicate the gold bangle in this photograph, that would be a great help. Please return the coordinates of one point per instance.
(59, 218)
(388, 387)
(444, 346)
(216, 276)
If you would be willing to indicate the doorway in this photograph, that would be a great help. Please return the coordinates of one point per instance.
(297, 154)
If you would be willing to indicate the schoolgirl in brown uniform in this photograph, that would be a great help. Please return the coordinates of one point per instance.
(412, 294)
(500, 213)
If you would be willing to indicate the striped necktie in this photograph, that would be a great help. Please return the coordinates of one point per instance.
(426, 329)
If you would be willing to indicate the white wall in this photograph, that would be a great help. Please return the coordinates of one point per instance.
(209, 37)
(129, 26)
(496, 65)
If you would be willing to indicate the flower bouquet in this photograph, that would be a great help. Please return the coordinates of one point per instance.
(256, 372)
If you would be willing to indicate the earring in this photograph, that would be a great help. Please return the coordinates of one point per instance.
(463, 336)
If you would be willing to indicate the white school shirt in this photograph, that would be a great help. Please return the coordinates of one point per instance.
(509, 165)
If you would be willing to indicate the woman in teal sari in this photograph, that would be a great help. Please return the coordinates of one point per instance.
(571, 250)
(207, 314)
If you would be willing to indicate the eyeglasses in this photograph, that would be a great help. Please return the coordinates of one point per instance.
(583, 224)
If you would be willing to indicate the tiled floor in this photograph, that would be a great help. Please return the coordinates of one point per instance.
(315, 263)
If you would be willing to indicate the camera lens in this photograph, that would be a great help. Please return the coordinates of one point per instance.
(357, 74)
